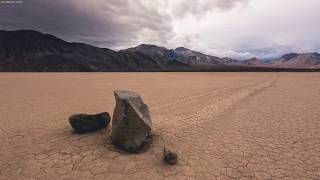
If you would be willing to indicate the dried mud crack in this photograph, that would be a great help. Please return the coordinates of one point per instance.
(222, 126)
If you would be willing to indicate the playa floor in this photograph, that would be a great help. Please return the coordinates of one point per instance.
(222, 125)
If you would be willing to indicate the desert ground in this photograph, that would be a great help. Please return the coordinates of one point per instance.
(222, 126)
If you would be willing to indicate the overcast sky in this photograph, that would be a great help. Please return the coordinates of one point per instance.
(234, 28)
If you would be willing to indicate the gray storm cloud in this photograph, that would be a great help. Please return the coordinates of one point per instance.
(111, 23)
(236, 28)
(105, 23)
(181, 8)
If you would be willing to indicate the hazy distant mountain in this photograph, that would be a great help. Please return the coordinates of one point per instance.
(27, 50)
(194, 57)
(153, 50)
(181, 54)
(287, 57)
(294, 60)
(254, 62)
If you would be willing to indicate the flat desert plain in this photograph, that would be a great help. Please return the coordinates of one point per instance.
(222, 126)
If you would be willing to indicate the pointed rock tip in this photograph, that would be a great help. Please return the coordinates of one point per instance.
(125, 94)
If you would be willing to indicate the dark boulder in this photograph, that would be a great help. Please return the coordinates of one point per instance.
(131, 122)
(83, 123)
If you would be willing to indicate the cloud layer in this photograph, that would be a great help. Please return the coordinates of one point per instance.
(105, 23)
(236, 28)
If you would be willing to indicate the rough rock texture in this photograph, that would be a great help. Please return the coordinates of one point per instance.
(131, 123)
(83, 123)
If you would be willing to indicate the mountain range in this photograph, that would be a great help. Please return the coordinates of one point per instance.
(32, 51)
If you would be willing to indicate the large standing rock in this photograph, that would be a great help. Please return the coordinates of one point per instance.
(131, 122)
(83, 123)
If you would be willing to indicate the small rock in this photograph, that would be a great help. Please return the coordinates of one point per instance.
(169, 156)
(83, 123)
(131, 122)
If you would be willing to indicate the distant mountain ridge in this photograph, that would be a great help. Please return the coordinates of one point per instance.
(27, 50)
(153, 50)
(294, 60)
(187, 56)
(180, 54)
(254, 62)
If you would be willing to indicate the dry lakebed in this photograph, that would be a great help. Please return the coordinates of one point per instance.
(221, 125)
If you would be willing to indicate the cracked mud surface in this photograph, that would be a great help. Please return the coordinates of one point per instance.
(222, 125)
